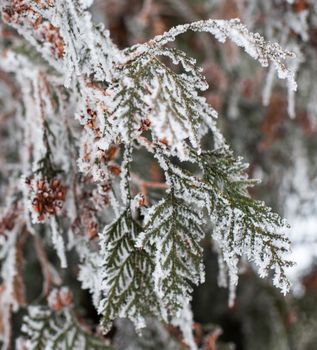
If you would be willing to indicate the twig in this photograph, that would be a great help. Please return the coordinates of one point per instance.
(144, 185)
(44, 265)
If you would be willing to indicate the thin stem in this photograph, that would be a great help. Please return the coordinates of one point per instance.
(45, 265)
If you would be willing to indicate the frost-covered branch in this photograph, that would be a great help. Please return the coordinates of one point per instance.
(123, 166)
(253, 43)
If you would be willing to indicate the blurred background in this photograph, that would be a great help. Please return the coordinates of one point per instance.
(275, 131)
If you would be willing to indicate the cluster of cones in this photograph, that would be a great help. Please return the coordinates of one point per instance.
(49, 197)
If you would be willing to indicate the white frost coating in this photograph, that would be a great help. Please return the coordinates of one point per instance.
(267, 91)
(174, 228)
(86, 3)
(90, 271)
(253, 43)
(185, 324)
(72, 22)
(173, 107)
(30, 80)
(51, 330)
(125, 180)
(291, 93)
(8, 269)
(58, 242)
(253, 232)
(123, 272)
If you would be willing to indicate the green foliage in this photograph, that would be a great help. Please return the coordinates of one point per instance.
(45, 329)
(243, 226)
(127, 273)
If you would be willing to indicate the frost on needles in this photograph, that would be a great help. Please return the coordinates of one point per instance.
(143, 102)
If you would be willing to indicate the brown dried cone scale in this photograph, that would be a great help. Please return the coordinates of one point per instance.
(49, 197)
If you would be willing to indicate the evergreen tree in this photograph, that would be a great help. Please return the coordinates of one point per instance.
(89, 123)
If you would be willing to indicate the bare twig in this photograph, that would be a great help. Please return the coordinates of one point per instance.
(48, 278)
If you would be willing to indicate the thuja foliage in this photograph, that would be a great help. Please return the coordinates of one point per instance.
(115, 155)
(48, 330)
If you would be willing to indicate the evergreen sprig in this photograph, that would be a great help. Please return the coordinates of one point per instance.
(128, 287)
(174, 229)
(45, 329)
(243, 226)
